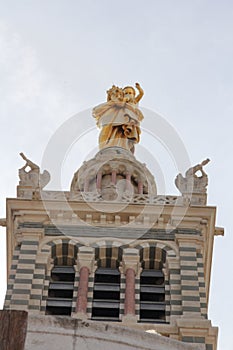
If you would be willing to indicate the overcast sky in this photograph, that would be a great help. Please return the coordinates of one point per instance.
(58, 58)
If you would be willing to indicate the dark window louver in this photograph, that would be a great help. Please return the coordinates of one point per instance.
(106, 295)
(152, 296)
(60, 292)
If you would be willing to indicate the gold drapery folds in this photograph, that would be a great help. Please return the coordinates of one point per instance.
(119, 118)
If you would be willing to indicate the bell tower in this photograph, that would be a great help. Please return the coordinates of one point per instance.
(110, 262)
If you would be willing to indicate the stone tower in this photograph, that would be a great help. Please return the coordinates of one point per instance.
(110, 262)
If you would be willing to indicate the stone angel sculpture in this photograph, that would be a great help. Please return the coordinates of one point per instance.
(32, 178)
(192, 183)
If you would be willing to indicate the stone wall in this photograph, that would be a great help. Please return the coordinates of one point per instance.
(59, 333)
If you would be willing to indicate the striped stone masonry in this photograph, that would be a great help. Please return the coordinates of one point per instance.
(75, 293)
(12, 276)
(190, 280)
(31, 269)
(184, 276)
(173, 288)
(137, 295)
(90, 294)
(178, 256)
(45, 290)
(197, 331)
(202, 287)
(24, 271)
(122, 297)
(38, 284)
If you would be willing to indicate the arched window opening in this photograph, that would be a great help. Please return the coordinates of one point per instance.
(152, 296)
(152, 284)
(61, 286)
(60, 292)
(106, 294)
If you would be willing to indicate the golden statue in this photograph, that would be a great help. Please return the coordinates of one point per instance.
(119, 118)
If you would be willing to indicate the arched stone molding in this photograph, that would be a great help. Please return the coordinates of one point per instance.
(108, 252)
(169, 247)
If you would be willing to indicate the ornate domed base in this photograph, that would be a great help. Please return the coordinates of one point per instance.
(114, 172)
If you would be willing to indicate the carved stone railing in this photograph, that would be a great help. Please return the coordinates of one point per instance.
(96, 197)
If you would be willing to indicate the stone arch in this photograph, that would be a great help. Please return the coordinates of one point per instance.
(153, 254)
(108, 253)
(63, 251)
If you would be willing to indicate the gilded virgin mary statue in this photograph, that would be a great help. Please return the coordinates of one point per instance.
(119, 118)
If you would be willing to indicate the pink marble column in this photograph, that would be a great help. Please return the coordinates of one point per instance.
(140, 187)
(82, 290)
(98, 180)
(130, 292)
(114, 177)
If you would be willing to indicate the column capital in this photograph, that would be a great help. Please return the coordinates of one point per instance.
(86, 258)
(130, 260)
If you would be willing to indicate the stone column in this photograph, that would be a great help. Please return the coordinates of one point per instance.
(130, 291)
(85, 264)
(140, 187)
(130, 269)
(128, 181)
(114, 174)
(82, 290)
(98, 180)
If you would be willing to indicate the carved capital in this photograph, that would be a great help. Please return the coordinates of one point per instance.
(130, 260)
(86, 258)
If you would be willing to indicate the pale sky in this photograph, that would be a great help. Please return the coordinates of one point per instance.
(58, 58)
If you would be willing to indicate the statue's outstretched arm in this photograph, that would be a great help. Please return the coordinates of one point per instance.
(140, 93)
